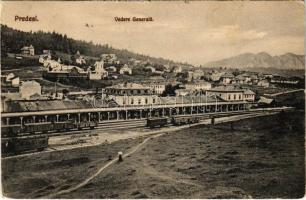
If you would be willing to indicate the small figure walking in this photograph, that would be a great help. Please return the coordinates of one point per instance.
(120, 159)
(213, 122)
(232, 126)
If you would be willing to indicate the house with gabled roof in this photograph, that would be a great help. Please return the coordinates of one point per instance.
(227, 78)
(28, 50)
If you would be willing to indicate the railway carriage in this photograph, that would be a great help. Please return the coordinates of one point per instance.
(163, 121)
(13, 146)
(87, 124)
(11, 130)
(185, 120)
(44, 127)
(58, 126)
(41, 127)
(157, 122)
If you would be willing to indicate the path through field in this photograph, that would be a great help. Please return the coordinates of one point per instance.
(86, 181)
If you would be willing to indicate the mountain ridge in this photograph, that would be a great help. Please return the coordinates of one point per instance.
(261, 60)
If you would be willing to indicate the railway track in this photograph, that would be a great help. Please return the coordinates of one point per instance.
(141, 123)
(117, 125)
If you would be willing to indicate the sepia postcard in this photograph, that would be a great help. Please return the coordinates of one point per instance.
(152, 99)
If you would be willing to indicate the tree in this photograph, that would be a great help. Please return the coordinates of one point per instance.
(170, 90)
(65, 93)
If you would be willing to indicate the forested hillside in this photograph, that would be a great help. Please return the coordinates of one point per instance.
(12, 40)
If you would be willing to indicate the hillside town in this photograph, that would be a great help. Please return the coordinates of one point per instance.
(143, 82)
(93, 97)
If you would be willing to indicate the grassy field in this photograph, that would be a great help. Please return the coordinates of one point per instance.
(8, 63)
(255, 159)
(29, 72)
(38, 175)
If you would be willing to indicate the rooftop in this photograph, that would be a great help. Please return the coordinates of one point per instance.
(199, 82)
(227, 75)
(38, 105)
(128, 86)
(249, 92)
(27, 48)
(226, 89)
(188, 99)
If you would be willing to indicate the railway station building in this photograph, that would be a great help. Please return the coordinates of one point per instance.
(228, 93)
(231, 93)
(128, 89)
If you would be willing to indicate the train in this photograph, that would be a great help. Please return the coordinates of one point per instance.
(184, 120)
(31, 137)
(157, 122)
(18, 145)
(176, 121)
(44, 127)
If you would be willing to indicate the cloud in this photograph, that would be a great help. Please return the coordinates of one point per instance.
(231, 34)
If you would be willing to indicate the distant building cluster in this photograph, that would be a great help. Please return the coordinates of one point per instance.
(139, 82)
(110, 59)
(245, 78)
(98, 71)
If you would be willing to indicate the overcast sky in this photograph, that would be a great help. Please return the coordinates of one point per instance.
(195, 32)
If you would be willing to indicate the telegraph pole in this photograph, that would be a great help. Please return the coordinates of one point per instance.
(191, 105)
(216, 103)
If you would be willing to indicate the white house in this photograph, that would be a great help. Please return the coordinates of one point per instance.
(182, 92)
(43, 58)
(177, 69)
(135, 100)
(263, 83)
(10, 76)
(99, 67)
(15, 81)
(243, 78)
(47, 52)
(158, 88)
(99, 71)
(189, 75)
(151, 69)
(125, 70)
(109, 56)
(198, 85)
(28, 50)
(80, 60)
(228, 93)
(11, 79)
(51, 65)
(227, 78)
(249, 95)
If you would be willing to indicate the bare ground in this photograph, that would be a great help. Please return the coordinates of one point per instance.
(260, 158)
